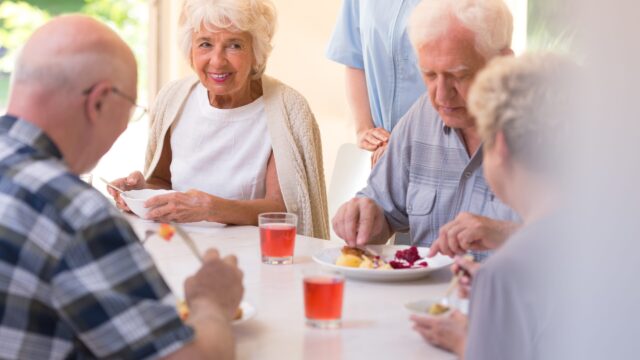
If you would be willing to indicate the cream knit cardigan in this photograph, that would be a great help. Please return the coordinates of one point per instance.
(295, 139)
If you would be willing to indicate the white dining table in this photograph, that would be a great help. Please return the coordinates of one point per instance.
(375, 322)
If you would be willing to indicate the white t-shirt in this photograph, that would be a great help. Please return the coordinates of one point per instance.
(223, 152)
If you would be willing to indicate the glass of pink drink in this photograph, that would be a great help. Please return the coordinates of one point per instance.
(277, 237)
(323, 293)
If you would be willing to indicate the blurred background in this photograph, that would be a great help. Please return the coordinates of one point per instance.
(304, 29)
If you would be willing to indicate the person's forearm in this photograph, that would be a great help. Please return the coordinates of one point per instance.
(214, 338)
(358, 99)
(244, 212)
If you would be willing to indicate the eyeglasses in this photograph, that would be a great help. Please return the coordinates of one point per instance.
(139, 111)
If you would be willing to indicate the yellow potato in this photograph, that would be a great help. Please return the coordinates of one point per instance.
(437, 309)
(366, 264)
(348, 260)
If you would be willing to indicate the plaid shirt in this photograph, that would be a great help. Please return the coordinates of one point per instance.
(74, 280)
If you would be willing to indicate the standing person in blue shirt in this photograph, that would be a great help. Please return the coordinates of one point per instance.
(382, 75)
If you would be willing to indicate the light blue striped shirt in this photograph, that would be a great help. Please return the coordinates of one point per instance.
(425, 178)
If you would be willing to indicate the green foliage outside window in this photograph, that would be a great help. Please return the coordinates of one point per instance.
(547, 26)
(18, 19)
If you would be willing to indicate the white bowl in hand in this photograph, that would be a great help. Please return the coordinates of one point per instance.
(135, 199)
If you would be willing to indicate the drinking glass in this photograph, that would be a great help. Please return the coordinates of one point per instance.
(277, 237)
(323, 293)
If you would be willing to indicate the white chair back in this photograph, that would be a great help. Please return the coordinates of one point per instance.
(350, 174)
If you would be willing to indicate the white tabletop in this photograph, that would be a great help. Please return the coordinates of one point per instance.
(375, 322)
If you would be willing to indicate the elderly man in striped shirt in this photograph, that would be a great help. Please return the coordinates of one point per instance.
(430, 182)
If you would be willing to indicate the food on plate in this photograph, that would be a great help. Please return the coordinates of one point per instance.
(359, 258)
(437, 309)
(166, 231)
(408, 259)
(364, 259)
(183, 311)
(350, 257)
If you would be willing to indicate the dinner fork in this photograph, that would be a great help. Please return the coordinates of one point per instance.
(452, 285)
(188, 240)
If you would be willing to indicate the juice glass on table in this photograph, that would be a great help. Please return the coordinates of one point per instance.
(277, 237)
(323, 293)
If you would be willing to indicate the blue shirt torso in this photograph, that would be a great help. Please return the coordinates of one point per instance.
(371, 35)
(426, 178)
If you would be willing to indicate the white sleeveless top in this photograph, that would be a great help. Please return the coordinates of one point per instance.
(223, 152)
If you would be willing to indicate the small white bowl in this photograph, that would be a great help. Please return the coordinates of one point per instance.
(421, 307)
(135, 199)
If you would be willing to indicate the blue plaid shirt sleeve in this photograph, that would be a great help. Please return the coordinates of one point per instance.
(108, 290)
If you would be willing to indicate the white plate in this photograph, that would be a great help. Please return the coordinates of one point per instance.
(248, 312)
(201, 226)
(328, 257)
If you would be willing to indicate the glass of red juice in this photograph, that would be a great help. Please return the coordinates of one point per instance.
(277, 237)
(323, 293)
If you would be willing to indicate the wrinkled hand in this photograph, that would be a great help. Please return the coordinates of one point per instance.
(373, 138)
(357, 220)
(471, 232)
(180, 207)
(448, 332)
(377, 154)
(134, 181)
(218, 282)
(469, 268)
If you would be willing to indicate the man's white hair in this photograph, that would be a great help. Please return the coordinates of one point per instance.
(490, 21)
(257, 17)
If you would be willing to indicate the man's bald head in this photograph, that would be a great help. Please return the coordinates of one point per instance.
(70, 51)
(67, 80)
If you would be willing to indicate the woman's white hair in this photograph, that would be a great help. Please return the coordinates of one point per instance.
(529, 99)
(490, 21)
(257, 17)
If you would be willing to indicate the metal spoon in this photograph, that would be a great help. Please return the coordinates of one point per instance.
(110, 185)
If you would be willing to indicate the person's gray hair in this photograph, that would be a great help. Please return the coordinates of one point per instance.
(257, 17)
(490, 20)
(529, 99)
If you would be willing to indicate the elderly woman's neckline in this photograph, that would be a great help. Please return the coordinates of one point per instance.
(237, 100)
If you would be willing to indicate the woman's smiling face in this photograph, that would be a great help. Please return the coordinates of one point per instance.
(224, 60)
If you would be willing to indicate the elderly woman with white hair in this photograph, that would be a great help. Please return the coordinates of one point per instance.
(522, 109)
(232, 141)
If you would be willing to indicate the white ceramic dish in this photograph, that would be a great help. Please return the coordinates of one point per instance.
(248, 312)
(328, 257)
(135, 199)
(421, 307)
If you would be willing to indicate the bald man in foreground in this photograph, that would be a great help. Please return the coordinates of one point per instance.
(74, 280)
